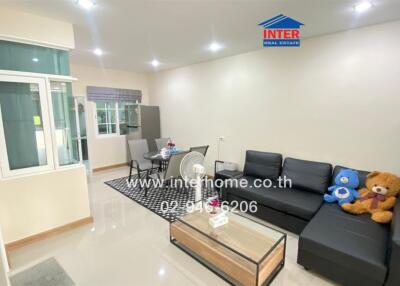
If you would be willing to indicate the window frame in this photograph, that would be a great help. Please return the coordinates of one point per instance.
(115, 108)
(48, 116)
(117, 121)
(5, 165)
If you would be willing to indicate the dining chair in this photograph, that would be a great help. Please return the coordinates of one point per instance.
(200, 149)
(172, 172)
(137, 148)
(162, 142)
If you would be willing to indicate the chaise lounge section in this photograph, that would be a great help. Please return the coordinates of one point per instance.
(351, 250)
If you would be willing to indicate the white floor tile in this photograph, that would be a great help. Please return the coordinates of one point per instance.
(129, 245)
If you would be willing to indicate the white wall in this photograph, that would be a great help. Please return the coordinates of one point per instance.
(106, 151)
(33, 204)
(15, 25)
(335, 99)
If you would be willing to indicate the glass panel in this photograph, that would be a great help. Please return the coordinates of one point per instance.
(23, 125)
(101, 117)
(123, 129)
(106, 117)
(66, 134)
(29, 58)
(111, 116)
(103, 129)
(101, 105)
(113, 128)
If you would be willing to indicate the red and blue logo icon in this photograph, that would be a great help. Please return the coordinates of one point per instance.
(281, 31)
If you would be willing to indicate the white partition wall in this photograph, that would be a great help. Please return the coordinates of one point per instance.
(42, 180)
(3, 263)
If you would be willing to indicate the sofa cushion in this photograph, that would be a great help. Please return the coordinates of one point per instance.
(263, 165)
(294, 202)
(353, 242)
(308, 175)
(362, 175)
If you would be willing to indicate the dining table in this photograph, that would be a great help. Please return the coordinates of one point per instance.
(155, 156)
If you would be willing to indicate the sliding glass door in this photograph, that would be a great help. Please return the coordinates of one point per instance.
(65, 126)
(25, 133)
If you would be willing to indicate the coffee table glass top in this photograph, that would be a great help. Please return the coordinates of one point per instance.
(241, 234)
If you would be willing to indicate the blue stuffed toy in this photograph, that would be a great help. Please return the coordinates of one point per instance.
(344, 190)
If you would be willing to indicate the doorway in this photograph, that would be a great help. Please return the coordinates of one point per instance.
(80, 108)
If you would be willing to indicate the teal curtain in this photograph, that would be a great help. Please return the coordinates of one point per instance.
(29, 58)
(22, 123)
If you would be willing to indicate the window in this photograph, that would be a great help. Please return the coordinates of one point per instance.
(29, 58)
(38, 128)
(24, 125)
(106, 117)
(111, 117)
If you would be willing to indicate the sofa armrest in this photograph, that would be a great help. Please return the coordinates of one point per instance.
(217, 162)
(393, 254)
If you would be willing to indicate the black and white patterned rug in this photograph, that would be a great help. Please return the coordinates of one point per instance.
(170, 206)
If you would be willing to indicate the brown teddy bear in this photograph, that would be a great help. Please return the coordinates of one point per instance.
(377, 198)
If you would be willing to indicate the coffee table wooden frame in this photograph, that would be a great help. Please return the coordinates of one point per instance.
(229, 264)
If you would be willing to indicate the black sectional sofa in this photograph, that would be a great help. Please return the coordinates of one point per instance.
(351, 250)
(290, 208)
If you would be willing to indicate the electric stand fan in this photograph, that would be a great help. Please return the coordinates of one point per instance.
(192, 170)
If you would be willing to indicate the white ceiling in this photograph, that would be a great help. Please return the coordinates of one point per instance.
(133, 32)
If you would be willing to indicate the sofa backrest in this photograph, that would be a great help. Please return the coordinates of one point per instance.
(262, 165)
(308, 175)
(362, 175)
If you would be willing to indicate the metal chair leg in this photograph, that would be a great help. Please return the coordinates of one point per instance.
(138, 178)
(147, 180)
(130, 171)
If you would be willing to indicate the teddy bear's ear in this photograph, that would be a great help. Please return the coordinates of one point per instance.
(373, 174)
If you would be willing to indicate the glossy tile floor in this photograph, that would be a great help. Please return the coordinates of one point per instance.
(129, 245)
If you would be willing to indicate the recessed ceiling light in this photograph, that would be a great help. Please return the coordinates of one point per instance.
(98, 52)
(155, 63)
(161, 272)
(35, 60)
(215, 47)
(362, 7)
(87, 4)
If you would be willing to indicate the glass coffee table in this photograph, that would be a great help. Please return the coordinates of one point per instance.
(242, 252)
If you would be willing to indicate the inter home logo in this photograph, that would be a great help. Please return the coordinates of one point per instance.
(281, 31)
